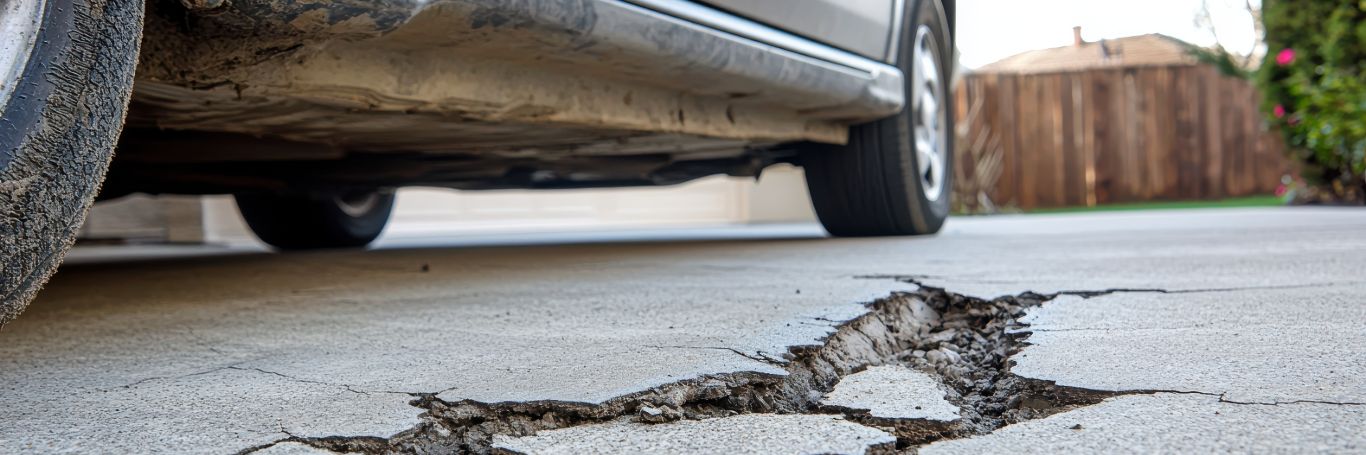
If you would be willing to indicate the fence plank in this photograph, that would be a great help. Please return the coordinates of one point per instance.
(1117, 135)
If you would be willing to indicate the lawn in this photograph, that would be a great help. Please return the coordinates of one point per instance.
(1250, 201)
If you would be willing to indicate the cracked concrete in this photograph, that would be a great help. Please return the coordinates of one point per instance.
(742, 434)
(315, 341)
(192, 413)
(369, 352)
(1166, 423)
(292, 448)
(873, 338)
(1248, 346)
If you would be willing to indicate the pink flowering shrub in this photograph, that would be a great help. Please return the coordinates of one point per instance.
(1315, 88)
(1285, 57)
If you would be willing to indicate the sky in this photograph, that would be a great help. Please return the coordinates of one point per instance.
(989, 30)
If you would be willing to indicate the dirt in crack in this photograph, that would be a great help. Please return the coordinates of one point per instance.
(963, 340)
(968, 344)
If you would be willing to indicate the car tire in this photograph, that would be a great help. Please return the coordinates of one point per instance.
(67, 72)
(893, 177)
(316, 221)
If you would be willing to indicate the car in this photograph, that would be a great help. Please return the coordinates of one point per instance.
(311, 113)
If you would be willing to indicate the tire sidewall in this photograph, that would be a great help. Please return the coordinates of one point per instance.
(57, 136)
(928, 215)
(309, 221)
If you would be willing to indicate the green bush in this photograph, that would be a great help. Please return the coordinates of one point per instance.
(1316, 91)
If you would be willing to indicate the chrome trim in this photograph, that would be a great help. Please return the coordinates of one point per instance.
(886, 80)
(726, 22)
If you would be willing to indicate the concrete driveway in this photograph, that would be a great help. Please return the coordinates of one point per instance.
(1218, 330)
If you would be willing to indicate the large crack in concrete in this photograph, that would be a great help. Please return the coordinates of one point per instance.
(965, 341)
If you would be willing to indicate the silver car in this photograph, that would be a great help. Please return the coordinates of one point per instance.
(312, 112)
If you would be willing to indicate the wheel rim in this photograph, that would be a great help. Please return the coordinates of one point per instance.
(928, 113)
(20, 19)
(357, 204)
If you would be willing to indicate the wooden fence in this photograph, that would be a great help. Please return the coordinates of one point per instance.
(1111, 135)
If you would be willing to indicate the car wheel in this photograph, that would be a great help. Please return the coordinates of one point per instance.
(66, 71)
(893, 176)
(304, 222)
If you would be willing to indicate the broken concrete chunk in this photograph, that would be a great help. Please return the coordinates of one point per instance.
(936, 357)
(651, 414)
(741, 434)
(893, 392)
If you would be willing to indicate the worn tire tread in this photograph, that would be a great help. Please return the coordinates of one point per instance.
(58, 139)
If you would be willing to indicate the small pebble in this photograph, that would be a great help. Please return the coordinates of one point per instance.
(936, 357)
(651, 414)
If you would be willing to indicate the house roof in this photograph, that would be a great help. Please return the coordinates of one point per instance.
(1143, 50)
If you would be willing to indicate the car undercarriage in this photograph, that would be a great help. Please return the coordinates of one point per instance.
(311, 113)
(284, 95)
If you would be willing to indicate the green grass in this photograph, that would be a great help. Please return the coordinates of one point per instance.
(1250, 201)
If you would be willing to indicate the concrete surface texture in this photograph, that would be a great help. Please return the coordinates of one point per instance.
(742, 434)
(246, 351)
(291, 448)
(1274, 345)
(1176, 423)
(893, 392)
